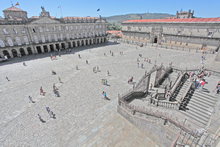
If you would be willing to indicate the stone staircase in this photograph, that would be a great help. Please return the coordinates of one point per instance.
(183, 91)
(200, 107)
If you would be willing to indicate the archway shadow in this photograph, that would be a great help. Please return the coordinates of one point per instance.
(62, 52)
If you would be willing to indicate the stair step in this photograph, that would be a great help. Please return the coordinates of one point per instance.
(195, 118)
(195, 114)
(200, 110)
(208, 96)
(205, 100)
(195, 100)
(206, 93)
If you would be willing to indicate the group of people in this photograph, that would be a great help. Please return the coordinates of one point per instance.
(42, 92)
(96, 69)
(51, 114)
(218, 88)
(141, 65)
(199, 78)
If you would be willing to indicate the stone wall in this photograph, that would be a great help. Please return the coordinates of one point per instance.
(152, 127)
(46, 32)
(191, 35)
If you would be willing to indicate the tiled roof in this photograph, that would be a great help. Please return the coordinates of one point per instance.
(176, 20)
(13, 8)
(113, 31)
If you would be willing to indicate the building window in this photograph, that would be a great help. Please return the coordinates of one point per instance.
(2, 44)
(34, 31)
(5, 31)
(15, 30)
(40, 28)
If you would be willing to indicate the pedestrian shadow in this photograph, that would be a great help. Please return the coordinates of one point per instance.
(107, 98)
(107, 85)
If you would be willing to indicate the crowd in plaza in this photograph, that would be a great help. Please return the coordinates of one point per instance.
(197, 77)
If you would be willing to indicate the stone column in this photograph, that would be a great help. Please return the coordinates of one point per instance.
(42, 48)
(1, 53)
(10, 53)
(34, 50)
(25, 50)
(48, 47)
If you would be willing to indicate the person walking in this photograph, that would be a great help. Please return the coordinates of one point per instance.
(60, 80)
(218, 88)
(77, 68)
(104, 94)
(42, 91)
(30, 99)
(7, 78)
(108, 73)
(24, 64)
(40, 118)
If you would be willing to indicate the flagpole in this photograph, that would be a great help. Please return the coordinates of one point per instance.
(61, 12)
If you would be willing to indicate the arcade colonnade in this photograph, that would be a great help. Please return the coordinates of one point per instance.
(12, 52)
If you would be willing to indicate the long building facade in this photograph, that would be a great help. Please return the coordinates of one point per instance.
(192, 33)
(21, 36)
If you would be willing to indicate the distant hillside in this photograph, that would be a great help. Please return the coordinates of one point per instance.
(120, 18)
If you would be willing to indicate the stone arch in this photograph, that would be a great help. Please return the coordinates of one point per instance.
(78, 43)
(2, 44)
(29, 50)
(69, 45)
(39, 51)
(51, 47)
(94, 41)
(14, 53)
(74, 44)
(63, 45)
(155, 39)
(90, 41)
(57, 46)
(45, 48)
(97, 41)
(82, 42)
(6, 53)
(87, 43)
(22, 52)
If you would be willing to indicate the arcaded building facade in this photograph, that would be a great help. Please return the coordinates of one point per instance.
(182, 32)
(21, 36)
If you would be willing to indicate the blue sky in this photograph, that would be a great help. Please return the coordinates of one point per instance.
(202, 8)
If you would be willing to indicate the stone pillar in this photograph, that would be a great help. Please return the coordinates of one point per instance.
(1, 54)
(10, 53)
(42, 48)
(48, 48)
(25, 50)
(34, 50)
(76, 45)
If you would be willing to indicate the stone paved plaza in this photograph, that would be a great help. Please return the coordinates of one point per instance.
(83, 116)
